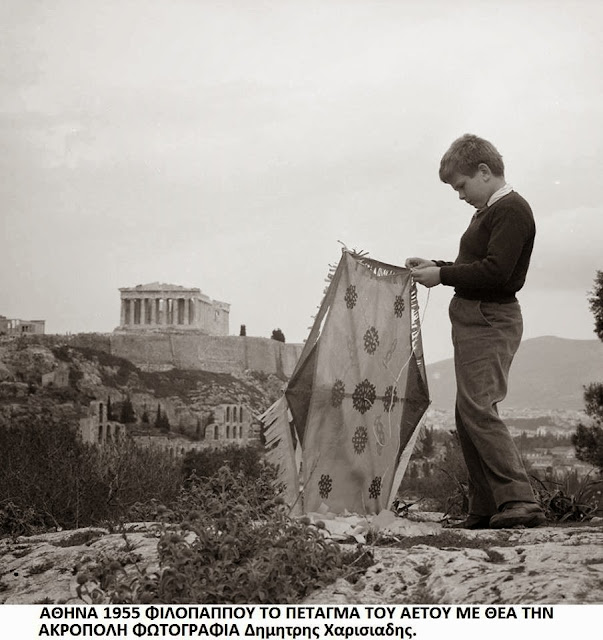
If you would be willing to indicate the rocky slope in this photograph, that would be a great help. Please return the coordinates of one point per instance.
(423, 564)
(43, 375)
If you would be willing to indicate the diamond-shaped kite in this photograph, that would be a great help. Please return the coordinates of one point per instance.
(344, 430)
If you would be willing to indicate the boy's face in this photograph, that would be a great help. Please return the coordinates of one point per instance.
(475, 190)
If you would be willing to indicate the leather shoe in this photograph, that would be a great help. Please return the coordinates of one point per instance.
(472, 521)
(514, 514)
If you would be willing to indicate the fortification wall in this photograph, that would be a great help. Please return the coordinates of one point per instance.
(196, 351)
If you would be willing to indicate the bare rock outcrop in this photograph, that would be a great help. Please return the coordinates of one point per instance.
(416, 561)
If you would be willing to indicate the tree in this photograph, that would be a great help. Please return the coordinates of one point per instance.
(162, 422)
(277, 334)
(427, 446)
(127, 415)
(588, 439)
(588, 442)
(595, 302)
(165, 423)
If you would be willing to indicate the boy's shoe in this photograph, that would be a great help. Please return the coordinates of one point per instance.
(472, 521)
(513, 514)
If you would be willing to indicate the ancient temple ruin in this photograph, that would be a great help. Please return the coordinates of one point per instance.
(18, 327)
(169, 307)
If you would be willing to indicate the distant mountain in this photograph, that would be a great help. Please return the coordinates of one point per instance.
(547, 373)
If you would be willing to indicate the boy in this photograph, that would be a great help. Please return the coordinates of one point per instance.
(487, 325)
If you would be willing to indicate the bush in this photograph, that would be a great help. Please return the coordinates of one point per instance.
(232, 546)
(440, 484)
(20, 521)
(206, 462)
(49, 479)
(571, 498)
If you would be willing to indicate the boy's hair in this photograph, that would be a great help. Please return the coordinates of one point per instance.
(466, 154)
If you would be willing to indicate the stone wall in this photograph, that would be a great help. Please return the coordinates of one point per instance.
(195, 351)
(95, 428)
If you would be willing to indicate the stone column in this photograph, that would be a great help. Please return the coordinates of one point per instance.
(132, 310)
(193, 310)
(153, 311)
(122, 321)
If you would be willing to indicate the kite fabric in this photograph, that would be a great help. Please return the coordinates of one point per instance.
(344, 430)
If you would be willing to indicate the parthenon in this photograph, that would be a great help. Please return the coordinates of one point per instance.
(168, 307)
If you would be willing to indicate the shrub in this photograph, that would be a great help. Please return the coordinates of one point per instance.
(232, 546)
(205, 463)
(19, 521)
(440, 484)
(571, 499)
(49, 478)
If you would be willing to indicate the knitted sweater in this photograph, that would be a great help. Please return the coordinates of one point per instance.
(494, 252)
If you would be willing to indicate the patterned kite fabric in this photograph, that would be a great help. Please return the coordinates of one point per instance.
(359, 390)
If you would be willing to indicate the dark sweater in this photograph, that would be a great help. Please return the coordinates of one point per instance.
(494, 252)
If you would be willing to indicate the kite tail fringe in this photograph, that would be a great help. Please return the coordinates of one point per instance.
(279, 447)
(415, 328)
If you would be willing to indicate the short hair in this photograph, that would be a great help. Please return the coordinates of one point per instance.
(466, 154)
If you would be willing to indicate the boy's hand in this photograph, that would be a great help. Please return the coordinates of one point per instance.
(418, 263)
(427, 276)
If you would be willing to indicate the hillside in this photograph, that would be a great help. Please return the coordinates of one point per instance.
(42, 379)
(548, 373)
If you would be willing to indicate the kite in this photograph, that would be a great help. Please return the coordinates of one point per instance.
(344, 429)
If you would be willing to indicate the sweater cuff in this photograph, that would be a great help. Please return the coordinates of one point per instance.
(445, 273)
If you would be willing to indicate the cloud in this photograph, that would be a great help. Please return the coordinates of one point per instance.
(230, 145)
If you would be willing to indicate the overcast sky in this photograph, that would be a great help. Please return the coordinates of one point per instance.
(229, 145)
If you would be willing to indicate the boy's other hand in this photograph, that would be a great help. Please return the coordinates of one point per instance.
(418, 263)
(427, 276)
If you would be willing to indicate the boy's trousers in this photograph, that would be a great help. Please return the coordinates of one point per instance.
(486, 336)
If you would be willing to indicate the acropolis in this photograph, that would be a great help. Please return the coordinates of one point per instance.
(170, 307)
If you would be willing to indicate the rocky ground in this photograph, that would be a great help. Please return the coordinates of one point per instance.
(416, 561)
(425, 563)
